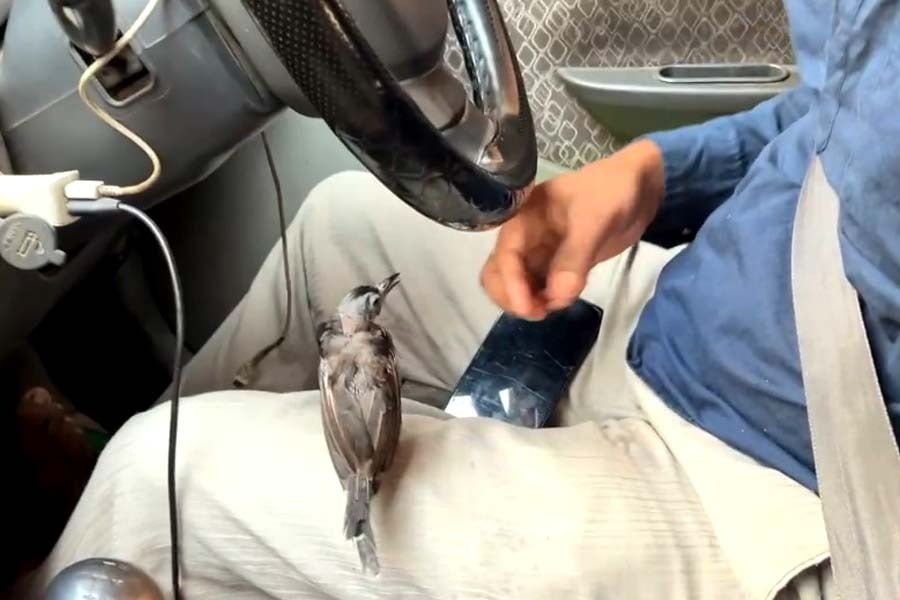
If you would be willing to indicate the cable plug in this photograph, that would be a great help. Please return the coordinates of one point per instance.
(100, 206)
(42, 196)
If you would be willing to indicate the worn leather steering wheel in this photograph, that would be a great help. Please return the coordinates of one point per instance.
(466, 165)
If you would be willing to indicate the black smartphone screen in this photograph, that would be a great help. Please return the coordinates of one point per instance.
(523, 368)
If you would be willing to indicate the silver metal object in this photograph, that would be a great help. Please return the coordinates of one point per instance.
(103, 579)
(633, 101)
(723, 73)
(29, 243)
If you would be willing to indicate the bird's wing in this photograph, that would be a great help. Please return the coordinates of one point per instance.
(344, 423)
(329, 428)
(330, 337)
(384, 415)
(331, 340)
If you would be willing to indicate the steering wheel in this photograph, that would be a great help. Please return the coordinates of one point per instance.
(462, 164)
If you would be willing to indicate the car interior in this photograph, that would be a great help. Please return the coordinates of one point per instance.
(92, 337)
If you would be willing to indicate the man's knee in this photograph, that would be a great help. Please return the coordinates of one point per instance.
(210, 427)
(135, 458)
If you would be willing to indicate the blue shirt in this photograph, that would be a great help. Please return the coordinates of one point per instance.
(718, 341)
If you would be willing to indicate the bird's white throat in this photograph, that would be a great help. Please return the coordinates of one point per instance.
(350, 324)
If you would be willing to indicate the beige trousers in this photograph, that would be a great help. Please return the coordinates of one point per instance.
(625, 500)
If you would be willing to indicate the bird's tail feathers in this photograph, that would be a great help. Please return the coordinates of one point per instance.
(356, 522)
(368, 557)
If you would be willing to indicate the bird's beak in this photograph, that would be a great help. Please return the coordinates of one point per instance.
(388, 284)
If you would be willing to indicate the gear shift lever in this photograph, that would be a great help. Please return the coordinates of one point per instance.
(89, 24)
(103, 579)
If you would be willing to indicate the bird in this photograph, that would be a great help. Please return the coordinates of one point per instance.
(361, 410)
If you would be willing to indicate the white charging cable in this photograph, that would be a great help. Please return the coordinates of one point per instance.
(45, 196)
(89, 74)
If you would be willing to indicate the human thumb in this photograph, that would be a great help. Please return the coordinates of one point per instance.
(570, 265)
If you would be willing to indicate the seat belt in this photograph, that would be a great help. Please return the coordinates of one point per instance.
(856, 456)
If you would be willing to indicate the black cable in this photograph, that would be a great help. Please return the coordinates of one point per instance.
(106, 205)
(247, 371)
(282, 223)
(176, 386)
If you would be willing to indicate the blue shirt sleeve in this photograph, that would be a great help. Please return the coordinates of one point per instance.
(705, 162)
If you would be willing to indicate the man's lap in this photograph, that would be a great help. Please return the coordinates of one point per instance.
(471, 506)
(598, 509)
(603, 508)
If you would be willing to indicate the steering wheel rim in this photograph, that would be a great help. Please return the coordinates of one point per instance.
(471, 177)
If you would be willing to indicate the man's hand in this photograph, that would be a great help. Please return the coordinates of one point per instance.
(569, 224)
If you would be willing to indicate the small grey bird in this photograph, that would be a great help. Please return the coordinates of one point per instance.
(360, 390)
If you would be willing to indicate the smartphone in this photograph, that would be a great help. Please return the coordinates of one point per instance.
(523, 368)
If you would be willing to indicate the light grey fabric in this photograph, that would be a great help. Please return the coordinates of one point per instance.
(625, 500)
(856, 454)
(624, 33)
